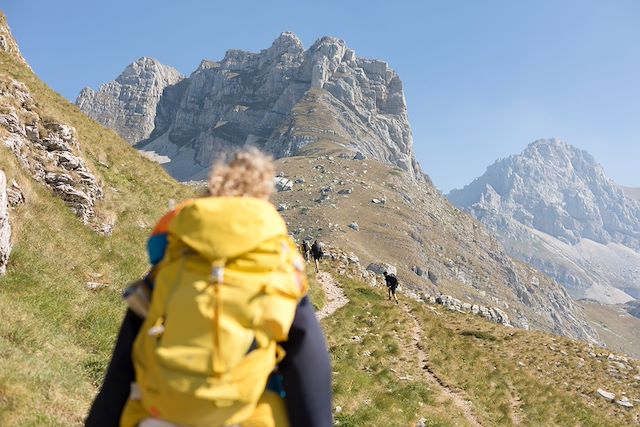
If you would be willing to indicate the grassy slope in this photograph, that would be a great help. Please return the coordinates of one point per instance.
(508, 375)
(56, 336)
(619, 329)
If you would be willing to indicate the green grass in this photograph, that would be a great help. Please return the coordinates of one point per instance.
(506, 374)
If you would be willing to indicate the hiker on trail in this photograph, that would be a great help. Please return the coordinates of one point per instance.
(306, 250)
(243, 346)
(317, 252)
(392, 284)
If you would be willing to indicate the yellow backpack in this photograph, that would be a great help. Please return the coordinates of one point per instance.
(225, 292)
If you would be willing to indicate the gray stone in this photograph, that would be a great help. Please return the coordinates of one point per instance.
(432, 277)
(345, 191)
(282, 207)
(359, 156)
(354, 226)
(283, 184)
(15, 196)
(605, 394)
(625, 402)
(380, 268)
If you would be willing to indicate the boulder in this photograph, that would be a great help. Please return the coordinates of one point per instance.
(283, 184)
(380, 268)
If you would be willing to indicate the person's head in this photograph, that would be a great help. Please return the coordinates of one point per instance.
(244, 173)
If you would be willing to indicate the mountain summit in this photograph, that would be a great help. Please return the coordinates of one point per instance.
(556, 208)
(282, 99)
(128, 104)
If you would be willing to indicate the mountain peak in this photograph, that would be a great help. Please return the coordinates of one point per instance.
(556, 192)
(287, 41)
(137, 88)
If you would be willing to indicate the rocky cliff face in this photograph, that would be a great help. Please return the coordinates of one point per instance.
(280, 99)
(555, 208)
(5, 226)
(47, 149)
(128, 104)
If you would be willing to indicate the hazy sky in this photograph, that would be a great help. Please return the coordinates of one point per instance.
(482, 78)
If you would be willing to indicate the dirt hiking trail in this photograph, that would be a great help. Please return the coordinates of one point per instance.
(334, 293)
(465, 407)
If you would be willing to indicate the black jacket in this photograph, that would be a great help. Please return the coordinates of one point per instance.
(305, 369)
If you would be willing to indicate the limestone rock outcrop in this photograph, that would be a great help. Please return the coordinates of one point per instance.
(47, 149)
(128, 104)
(555, 208)
(5, 225)
(7, 42)
(281, 99)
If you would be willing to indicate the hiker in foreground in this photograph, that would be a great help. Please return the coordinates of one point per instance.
(392, 284)
(317, 252)
(229, 336)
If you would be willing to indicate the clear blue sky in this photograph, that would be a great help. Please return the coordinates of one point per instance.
(482, 78)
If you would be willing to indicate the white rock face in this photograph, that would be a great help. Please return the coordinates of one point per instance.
(554, 207)
(280, 99)
(5, 226)
(128, 104)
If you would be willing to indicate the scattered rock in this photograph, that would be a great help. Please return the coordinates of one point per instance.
(94, 286)
(605, 394)
(345, 191)
(378, 201)
(432, 276)
(282, 207)
(283, 184)
(354, 226)
(15, 196)
(419, 271)
(624, 402)
(359, 156)
(299, 180)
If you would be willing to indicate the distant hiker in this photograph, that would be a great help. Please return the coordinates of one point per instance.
(317, 252)
(243, 346)
(305, 248)
(392, 284)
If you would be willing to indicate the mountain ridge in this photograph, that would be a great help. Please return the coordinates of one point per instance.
(560, 191)
(248, 98)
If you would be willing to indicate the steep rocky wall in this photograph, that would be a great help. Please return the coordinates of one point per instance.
(128, 104)
(256, 98)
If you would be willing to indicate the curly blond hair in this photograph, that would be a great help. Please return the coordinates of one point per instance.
(247, 172)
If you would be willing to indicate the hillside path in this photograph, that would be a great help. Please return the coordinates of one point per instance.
(335, 295)
(465, 407)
